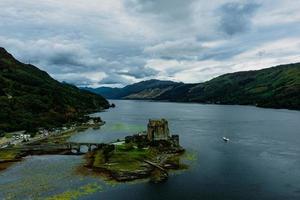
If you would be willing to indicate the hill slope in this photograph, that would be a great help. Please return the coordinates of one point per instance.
(30, 98)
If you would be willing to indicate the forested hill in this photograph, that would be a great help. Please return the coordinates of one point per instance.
(30, 98)
(275, 87)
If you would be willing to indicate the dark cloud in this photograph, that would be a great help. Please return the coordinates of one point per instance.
(63, 59)
(236, 17)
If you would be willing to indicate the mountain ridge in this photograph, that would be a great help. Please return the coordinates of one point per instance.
(133, 89)
(274, 87)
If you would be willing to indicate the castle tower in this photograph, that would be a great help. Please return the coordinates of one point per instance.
(158, 130)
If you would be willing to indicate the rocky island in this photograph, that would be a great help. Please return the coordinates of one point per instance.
(144, 155)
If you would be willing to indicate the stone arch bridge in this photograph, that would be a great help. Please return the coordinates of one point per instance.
(68, 146)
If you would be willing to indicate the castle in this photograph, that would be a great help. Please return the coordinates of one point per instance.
(157, 134)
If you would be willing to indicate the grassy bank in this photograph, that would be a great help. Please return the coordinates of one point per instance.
(124, 158)
(8, 157)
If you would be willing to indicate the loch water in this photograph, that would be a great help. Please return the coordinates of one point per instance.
(261, 160)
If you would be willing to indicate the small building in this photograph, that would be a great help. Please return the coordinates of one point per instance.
(20, 135)
(158, 130)
(43, 131)
(26, 137)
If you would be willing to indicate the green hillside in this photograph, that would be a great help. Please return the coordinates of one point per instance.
(30, 98)
(275, 87)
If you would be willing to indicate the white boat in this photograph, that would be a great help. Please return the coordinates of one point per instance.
(225, 139)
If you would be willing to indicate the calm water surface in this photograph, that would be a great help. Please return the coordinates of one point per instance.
(261, 161)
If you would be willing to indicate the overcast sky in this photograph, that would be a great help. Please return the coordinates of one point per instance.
(119, 42)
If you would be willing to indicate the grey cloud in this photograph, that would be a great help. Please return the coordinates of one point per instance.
(73, 41)
(174, 10)
(224, 52)
(114, 79)
(75, 79)
(236, 17)
(140, 72)
(192, 49)
(180, 49)
(251, 40)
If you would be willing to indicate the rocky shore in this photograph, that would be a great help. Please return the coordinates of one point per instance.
(128, 163)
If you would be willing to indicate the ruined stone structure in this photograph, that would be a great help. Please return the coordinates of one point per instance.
(175, 140)
(158, 130)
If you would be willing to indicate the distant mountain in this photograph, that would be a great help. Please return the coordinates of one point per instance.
(275, 87)
(30, 98)
(150, 89)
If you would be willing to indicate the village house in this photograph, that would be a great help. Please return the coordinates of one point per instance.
(20, 135)
(43, 131)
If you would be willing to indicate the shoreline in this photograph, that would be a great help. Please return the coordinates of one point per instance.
(202, 103)
(15, 154)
